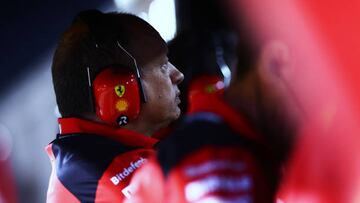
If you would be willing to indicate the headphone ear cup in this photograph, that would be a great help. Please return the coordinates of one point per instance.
(117, 99)
(205, 86)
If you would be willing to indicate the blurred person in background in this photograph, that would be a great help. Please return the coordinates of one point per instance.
(232, 146)
(114, 88)
(7, 179)
(201, 54)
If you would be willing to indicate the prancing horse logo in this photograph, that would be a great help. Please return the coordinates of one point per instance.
(120, 90)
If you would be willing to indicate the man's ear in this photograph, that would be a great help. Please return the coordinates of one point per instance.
(274, 61)
(275, 70)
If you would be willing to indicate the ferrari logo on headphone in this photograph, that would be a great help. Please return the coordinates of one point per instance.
(210, 88)
(120, 90)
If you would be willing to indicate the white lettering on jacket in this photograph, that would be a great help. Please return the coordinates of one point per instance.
(116, 179)
(127, 191)
(214, 165)
(201, 188)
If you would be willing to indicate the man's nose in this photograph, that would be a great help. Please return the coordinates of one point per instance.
(176, 76)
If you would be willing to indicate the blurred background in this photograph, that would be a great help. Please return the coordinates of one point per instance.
(323, 36)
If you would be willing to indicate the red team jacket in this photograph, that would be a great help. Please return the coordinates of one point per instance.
(94, 163)
(214, 157)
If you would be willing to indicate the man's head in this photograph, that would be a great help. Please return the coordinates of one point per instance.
(201, 53)
(94, 44)
(261, 92)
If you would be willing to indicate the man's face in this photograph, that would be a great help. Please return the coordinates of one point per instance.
(160, 80)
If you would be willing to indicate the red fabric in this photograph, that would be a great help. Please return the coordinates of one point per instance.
(148, 184)
(233, 176)
(324, 45)
(127, 137)
(155, 188)
(114, 185)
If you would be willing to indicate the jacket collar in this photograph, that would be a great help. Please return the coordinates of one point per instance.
(124, 136)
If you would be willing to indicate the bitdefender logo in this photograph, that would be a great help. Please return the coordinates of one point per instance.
(127, 171)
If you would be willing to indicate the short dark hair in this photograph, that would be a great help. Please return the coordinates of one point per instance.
(77, 49)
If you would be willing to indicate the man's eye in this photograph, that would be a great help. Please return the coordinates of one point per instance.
(165, 66)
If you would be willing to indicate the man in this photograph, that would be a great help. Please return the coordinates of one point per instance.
(114, 88)
(230, 148)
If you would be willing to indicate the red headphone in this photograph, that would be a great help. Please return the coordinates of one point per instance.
(117, 98)
(205, 86)
(116, 92)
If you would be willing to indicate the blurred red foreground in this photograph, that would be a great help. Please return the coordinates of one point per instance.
(324, 41)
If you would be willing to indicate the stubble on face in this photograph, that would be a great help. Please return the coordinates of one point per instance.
(162, 94)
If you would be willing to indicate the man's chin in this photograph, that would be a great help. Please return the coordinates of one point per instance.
(178, 112)
(173, 117)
